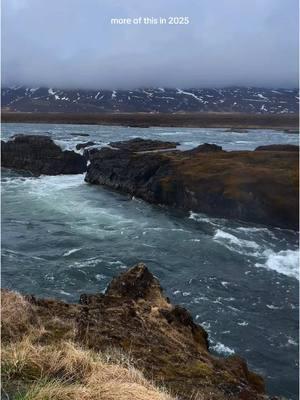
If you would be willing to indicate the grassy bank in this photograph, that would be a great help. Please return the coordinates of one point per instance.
(39, 366)
(192, 120)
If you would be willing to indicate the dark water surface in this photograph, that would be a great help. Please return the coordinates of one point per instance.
(62, 237)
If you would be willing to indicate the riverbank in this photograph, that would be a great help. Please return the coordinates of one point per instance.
(259, 186)
(289, 122)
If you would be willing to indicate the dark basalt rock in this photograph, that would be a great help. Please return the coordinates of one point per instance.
(142, 125)
(205, 148)
(136, 283)
(80, 146)
(255, 186)
(237, 130)
(89, 152)
(40, 155)
(278, 147)
(292, 131)
(80, 134)
(138, 144)
(163, 340)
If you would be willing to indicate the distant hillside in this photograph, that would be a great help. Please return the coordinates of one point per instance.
(235, 99)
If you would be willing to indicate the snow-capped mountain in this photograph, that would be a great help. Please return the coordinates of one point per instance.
(233, 99)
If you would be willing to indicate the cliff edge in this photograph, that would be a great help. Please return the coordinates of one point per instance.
(133, 317)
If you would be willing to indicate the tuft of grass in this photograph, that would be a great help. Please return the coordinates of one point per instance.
(54, 390)
(35, 369)
(17, 316)
(69, 372)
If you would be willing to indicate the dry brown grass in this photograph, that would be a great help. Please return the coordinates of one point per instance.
(17, 316)
(37, 370)
(55, 390)
(68, 371)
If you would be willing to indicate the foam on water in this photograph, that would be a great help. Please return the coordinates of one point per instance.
(225, 237)
(56, 183)
(243, 323)
(285, 262)
(68, 253)
(42, 185)
(272, 307)
(204, 218)
(66, 144)
(237, 238)
(222, 349)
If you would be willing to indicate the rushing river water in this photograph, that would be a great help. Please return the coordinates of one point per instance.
(62, 237)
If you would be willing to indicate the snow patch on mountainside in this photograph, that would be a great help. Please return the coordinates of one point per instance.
(152, 100)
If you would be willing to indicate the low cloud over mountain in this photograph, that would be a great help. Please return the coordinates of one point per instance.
(72, 44)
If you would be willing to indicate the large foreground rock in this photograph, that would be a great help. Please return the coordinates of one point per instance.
(161, 339)
(256, 186)
(40, 155)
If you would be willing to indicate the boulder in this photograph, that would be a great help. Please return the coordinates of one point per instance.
(40, 155)
(254, 186)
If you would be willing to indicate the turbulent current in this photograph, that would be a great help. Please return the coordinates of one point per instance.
(62, 237)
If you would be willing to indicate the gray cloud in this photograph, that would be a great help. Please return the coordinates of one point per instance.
(71, 43)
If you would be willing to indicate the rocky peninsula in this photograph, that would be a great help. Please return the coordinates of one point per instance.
(258, 186)
(133, 317)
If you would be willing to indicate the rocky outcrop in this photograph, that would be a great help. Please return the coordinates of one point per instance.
(237, 130)
(204, 148)
(40, 155)
(80, 134)
(139, 144)
(131, 146)
(256, 186)
(278, 147)
(163, 341)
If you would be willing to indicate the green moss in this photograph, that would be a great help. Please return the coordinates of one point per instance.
(200, 369)
(195, 369)
(228, 378)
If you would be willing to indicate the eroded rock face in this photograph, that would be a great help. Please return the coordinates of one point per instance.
(40, 155)
(255, 186)
(162, 339)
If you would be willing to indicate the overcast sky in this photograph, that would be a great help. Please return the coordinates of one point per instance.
(71, 43)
